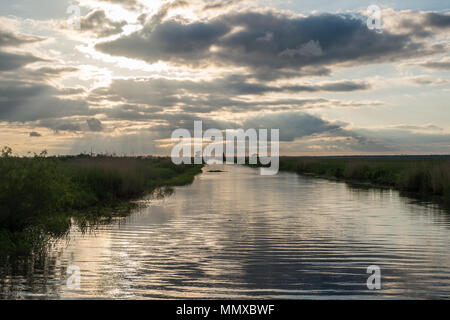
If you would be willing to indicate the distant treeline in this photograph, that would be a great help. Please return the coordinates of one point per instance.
(418, 174)
(40, 196)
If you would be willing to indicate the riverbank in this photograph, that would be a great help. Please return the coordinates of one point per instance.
(425, 176)
(40, 196)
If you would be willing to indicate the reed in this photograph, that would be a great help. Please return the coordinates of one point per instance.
(427, 176)
(40, 195)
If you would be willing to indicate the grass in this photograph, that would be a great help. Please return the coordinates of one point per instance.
(41, 196)
(429, 176)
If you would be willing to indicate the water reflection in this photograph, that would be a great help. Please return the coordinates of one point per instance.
(236, 234)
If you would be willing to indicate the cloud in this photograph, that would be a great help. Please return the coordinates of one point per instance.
(60, 124)
(13, 61)
(16, 60)
(141, 143)
(292, 125)
(427, 80)
(50, 71)
(337, 138)
(127, 4)
(99, 24)
(27, 94)
(412, 140)
(31, 9)
(220, 4)
(437, 20)
(301, 132)
(298, 129)
(67, 127)
(94, 125)
(309, 49)
(420, 24)
(443, 64)
(337, 86)
(152, 95)
(263, 72)
(43, 75)
(296, 43)
(10, 39)
(427, 127)
(169, 41)
(24, 101)
(162, 13)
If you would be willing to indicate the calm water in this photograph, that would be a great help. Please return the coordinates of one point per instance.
(240, 235)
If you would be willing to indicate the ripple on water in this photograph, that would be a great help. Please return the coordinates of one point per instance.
(240, 235)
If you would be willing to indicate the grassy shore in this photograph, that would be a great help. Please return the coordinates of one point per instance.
(428, 176)
(41, 196)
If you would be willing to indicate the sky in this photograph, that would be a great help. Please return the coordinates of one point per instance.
(119, 76)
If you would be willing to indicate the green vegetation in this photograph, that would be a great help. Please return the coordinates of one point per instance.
(41, 196)
(426, 176)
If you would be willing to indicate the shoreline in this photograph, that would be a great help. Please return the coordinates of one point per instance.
(414, 180)
(41, 197)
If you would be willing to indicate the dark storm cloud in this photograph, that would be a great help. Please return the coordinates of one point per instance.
(268, 42)
(99, 24)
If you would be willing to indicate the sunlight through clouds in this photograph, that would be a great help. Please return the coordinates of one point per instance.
(153, 66)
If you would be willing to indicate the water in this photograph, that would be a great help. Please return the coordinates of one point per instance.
(237, 234)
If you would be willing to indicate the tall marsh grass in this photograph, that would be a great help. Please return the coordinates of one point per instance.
(39, 195)
(427, 176)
